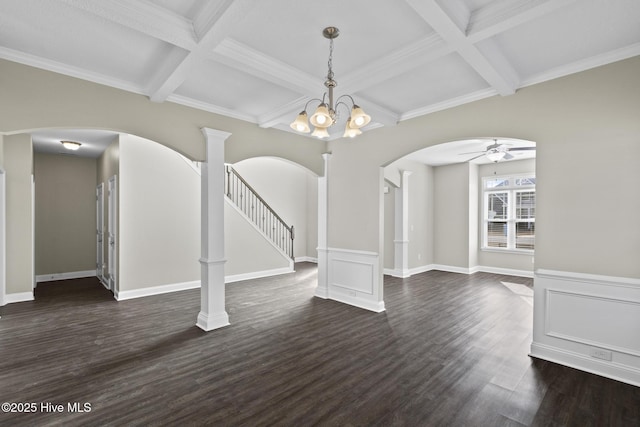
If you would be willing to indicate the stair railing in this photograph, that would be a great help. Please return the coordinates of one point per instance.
(259, 211)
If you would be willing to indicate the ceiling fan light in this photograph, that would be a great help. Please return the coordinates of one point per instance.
(301, 123)
(495, 155)
(71, 145)
(321, 117)
(320, 132)
(349, 131)
(358, 118)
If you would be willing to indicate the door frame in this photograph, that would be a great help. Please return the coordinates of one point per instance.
(112, 234)
(100, 233)
(3, 237)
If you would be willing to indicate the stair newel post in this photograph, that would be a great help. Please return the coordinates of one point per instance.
(228, 181)
(293, 234)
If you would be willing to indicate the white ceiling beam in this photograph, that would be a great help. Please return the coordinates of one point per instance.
(214, 23)
(143, 17)
(502, 15)
(248, 60)
(502, 79)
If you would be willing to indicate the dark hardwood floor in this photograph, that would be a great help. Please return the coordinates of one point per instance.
(451, 350)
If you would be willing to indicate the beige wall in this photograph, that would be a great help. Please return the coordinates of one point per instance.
(38, 99)
(19, 248)
(580, 114)
(65, 213)
(159, 223)
(451, 215)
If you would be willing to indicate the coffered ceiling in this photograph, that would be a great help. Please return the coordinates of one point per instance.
(260, 61)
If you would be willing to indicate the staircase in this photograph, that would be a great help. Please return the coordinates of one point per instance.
(259, 212)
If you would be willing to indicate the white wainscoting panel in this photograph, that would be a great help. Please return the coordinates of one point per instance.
(354, 278)
(588, 322)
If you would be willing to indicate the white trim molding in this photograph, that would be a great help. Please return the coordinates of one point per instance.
(156, 290)
(460, 270)
(258, 274)
(18, 297)
(354, 279)
(589, 322)
(64, 276)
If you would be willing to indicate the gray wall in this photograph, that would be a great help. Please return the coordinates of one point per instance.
(18, 165)
(65, 213)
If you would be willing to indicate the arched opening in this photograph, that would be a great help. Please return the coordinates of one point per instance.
(436, 211)
(121, 207)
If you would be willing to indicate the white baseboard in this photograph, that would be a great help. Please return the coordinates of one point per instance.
(581, 362)
(156, 290)
(307, 259)
(257, 274)
(64, 276)
(18, 297)
(460, 270)
(175, 287)
(506, 271)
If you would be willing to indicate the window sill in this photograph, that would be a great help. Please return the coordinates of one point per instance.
(509, 251)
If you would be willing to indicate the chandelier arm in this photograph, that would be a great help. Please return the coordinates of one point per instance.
(312, 99)
(342, 103)
(346, 96)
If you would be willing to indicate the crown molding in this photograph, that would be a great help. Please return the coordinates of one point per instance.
(583, 65)
(449, 103)
(212, 108)
(60, 68)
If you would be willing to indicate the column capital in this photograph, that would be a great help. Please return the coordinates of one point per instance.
(215, 134)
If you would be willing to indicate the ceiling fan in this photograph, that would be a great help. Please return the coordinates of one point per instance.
(496, 152)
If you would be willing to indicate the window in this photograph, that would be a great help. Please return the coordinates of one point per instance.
(509, 213)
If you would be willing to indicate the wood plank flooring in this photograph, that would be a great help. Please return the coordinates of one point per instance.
(451, 350)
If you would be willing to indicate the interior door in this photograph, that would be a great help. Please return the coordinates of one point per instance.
(100, 232)
(112, 234)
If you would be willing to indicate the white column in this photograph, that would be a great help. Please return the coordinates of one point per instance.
(212, 312)
(401, 241)
(322, 290)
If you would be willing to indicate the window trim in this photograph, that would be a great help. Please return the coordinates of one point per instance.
(511, 189)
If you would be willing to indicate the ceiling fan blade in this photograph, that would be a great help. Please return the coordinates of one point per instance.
(476, 157)
(507, 156)
(472, 152)
(521, 148)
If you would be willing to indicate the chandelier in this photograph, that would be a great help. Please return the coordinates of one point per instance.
(326, 113)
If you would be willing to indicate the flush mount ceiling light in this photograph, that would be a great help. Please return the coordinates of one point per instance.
(71, 145)
(326, 114)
